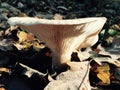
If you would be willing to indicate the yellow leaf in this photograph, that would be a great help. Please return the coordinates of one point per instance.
(103, 73)
(37, 46)
(22, 36)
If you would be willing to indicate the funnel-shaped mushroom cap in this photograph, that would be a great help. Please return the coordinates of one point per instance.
(63, 36)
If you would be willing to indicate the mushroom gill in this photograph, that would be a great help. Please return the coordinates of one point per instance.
(63, 36)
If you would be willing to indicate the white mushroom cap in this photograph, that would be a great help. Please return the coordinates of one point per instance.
(31, 21)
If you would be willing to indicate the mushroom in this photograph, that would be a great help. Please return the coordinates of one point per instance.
(62, 36)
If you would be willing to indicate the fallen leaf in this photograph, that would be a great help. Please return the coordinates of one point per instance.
(22, 36)
(103, 73)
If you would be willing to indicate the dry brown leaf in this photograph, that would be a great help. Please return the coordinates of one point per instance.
(30, 37)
